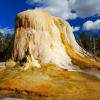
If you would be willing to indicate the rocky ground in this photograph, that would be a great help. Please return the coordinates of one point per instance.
(48, 83)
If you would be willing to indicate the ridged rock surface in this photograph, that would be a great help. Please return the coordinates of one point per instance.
(44, 39)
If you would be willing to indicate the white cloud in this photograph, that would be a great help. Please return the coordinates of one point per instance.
(86, 8)
(64, 8)
(6, 30)
(77, 28)
(90, 25)
(59, 7)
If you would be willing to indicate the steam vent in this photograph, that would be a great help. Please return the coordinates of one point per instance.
(44, 39)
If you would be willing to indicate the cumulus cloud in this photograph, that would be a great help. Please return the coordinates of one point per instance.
(92, 25)
(77, 28)
(59, 8)
(6, 30)
(86, 8)
(68, 9)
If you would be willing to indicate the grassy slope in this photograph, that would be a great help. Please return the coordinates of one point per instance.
(49, 82)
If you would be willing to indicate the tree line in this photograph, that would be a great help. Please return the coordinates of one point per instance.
(91, 43)
(5, 42)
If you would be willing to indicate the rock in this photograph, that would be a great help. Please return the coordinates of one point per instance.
(37, 40)
(41, 38)
(8, 98)
(47, 43)
(2, 66)
(7, 64)
(10, 63)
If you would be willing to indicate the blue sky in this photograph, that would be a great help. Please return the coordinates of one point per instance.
(81, 14)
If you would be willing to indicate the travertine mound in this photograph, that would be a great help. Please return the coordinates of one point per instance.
(44, 39)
